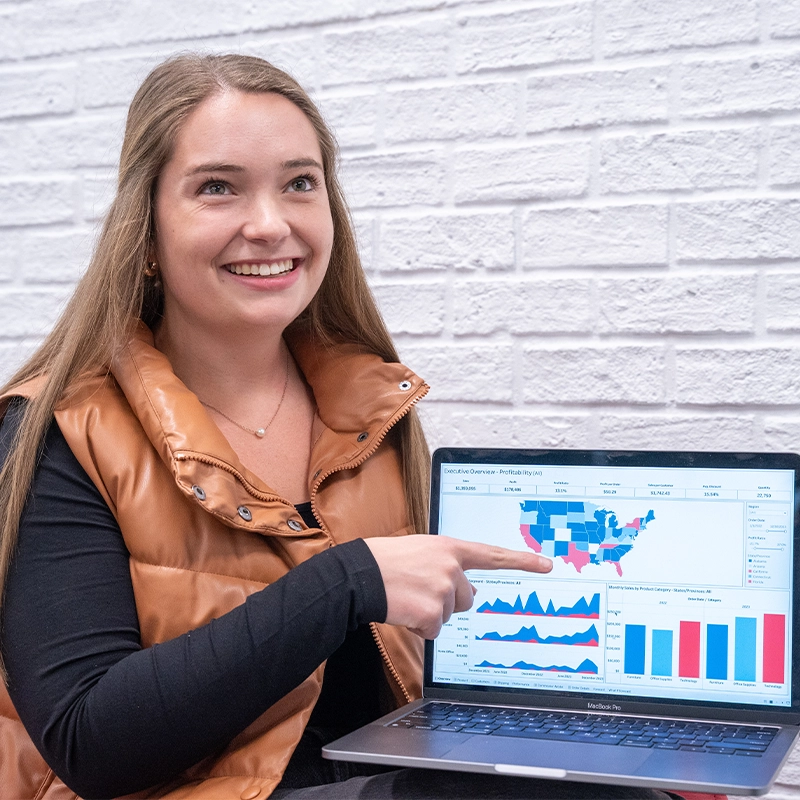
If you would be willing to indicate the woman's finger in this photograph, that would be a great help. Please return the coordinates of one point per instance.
(474, 555)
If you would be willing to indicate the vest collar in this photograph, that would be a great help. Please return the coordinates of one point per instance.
(359, 398)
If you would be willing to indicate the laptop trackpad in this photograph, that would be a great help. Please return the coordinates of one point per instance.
(570, 756)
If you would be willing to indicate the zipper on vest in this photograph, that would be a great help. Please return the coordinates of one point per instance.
(215, 462)
(365, 454)
(373, 626)
(421, 392)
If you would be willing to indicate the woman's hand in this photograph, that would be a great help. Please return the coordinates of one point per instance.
(425, 581)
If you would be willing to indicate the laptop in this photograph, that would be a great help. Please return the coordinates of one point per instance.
(658, 652)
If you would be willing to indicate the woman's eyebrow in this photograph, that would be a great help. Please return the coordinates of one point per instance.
(214, 167)
(294, 163)
(302, 162)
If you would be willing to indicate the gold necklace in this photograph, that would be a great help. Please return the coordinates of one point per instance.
(259, 432)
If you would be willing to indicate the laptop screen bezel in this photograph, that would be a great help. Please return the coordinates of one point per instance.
(613, 703)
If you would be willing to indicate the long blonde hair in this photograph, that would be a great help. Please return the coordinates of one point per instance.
(115, 292)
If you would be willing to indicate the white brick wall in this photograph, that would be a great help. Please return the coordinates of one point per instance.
(541, 189)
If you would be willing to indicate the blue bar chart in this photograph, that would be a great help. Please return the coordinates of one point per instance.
(634, 649)
(717, 652)
(744, 665)
(662, 653)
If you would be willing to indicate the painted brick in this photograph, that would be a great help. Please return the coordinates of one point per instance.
(354, 119)
(114, 81)
(459, 241)
(610, 236)
(31, 91)
(51, 256)
(686, 303)
(784, 19)
(416, 308)
(394, 179)
(530, 306)
(386, 52)
(594, 375)
(36, 201)
(784, 155)
(679, 161)
(97, 192)
(739, 86)
(783, 301)
(364, 227)
(598, 98)
(450, 428)
(678, 432)
(37, 29)
(466, 373)
(72, 142)
(296, 55)
(638, 26)
(522, 172)
(105, 81)
(464, 112)
(13, 355)
(10, 138)
(30, 313)
(759, 376)
(722, 230)
(782, 434)
(530, 37)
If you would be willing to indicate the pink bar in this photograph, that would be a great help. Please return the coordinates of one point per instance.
(774, 647)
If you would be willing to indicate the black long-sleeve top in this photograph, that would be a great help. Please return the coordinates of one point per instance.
(111, 717)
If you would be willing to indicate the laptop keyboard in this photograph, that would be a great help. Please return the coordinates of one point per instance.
(688, 736)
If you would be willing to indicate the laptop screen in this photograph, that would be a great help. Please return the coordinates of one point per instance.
(672, 574)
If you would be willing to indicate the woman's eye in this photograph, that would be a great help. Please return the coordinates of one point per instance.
(214, 187)
(302, 184)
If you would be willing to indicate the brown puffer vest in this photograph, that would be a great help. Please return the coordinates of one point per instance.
(177, 489)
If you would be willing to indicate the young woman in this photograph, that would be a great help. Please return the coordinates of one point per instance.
(219, 405)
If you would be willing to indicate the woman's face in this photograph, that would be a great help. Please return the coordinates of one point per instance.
(243, 224)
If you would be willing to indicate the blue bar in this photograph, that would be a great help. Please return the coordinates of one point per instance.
(744, 652)
(662, 653)
(717, 652)
(634, 649)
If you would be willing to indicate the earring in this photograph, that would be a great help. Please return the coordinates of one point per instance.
(151, 270)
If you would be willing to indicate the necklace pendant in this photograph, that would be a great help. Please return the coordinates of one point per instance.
(260, 433)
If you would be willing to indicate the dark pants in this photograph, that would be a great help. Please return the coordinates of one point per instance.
(309, 776)
(430, 784)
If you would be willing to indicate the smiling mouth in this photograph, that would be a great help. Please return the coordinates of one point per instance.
(261, 268)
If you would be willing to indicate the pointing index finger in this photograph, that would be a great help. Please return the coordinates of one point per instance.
(474, 555)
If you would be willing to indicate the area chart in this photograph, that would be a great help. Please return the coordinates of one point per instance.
(532, 607)
(587, 638)
(586, 667)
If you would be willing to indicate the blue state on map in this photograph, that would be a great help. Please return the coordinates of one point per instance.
(578, 532)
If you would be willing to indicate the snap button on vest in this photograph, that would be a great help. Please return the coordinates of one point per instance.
(251, 793)
(362, 436)
(244, 513)
(294, 525)
(199, 492)
(404, 386)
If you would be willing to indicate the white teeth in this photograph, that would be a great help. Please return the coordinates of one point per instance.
(261, 268)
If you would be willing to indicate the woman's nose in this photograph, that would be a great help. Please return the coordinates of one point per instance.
(266, 220)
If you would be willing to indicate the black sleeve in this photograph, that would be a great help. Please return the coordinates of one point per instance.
(112, 718)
